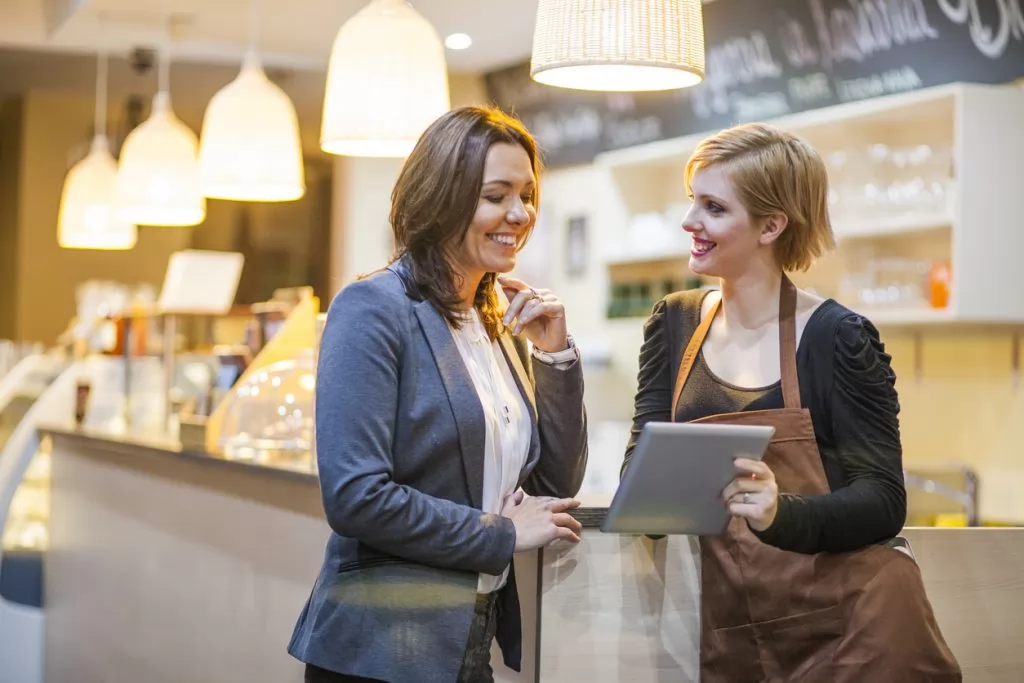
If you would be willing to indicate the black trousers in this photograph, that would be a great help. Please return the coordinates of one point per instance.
(476, 663)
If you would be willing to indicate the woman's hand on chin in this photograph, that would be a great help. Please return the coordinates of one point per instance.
(537, 313)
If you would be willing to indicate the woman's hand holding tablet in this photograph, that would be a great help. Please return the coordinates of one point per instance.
(753, 494)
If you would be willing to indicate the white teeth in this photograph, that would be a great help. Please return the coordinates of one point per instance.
(506, 240)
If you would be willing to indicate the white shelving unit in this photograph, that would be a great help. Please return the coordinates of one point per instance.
(979, 229)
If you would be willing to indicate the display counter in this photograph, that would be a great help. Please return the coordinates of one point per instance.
(173, 565)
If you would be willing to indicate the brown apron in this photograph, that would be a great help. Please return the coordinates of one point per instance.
(773, 616)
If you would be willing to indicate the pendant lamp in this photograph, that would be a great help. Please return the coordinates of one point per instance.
(387, 80)
(158, 179)
(618, 45)
(250, 149)
(88, 217)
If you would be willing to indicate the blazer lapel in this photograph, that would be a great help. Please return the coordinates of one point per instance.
(522, 378)
(519, 373)
(462, 397)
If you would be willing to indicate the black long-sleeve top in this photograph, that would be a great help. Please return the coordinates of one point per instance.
(847, 383)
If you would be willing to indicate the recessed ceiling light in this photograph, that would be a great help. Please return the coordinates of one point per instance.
(458, 41)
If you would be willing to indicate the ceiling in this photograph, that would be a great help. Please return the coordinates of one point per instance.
(295, 34)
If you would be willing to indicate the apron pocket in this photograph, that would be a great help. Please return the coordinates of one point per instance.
(731, 655)
(803, 645)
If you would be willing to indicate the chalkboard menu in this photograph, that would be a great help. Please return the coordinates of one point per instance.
(769, 58)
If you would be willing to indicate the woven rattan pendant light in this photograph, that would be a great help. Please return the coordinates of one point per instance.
(618, 45)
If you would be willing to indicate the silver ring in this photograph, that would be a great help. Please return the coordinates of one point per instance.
(746, 497)
(534, 294)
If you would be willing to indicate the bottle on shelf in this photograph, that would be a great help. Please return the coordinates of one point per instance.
(940, 281)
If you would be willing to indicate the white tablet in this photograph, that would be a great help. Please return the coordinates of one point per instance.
(675, 479)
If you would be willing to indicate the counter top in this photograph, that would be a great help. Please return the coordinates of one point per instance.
(126, 445)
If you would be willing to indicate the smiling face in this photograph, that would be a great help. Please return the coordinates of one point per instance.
(505, 215)
(727, 240)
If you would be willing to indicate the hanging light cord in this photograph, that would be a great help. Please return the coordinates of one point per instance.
(255, 25)
(100, 125)
(164, 72)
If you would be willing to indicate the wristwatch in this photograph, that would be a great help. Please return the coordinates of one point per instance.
(564, 356)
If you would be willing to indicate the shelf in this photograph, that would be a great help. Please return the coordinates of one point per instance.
(892, 225)
(974, 125)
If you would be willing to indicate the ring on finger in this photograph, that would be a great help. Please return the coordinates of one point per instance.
(746, 497)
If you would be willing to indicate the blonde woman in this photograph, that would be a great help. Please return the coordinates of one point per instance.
(806, 584)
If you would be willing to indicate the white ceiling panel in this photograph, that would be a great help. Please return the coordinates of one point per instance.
(294, 33)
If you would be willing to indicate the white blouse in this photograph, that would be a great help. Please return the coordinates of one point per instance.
(507, 416)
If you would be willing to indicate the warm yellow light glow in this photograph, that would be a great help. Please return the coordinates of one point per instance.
(88, 217)
(250, 148)
(158, 177)
(618, 45)
(386, 82)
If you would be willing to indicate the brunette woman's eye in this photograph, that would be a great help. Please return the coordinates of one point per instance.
(495, 200)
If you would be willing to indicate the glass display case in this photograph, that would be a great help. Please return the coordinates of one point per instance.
(268, 417)
(27, 527)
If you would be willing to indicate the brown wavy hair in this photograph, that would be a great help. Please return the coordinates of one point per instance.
(436, 197)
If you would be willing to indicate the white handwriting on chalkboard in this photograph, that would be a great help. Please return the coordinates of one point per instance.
(892, 81)
(796, 45)
(631, 132)
(765, 105)
(990, 42)
(810, 90)
(736, 61)
(555, 131)
(868, 27)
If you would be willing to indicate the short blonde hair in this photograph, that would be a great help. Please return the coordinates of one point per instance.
(774, 172)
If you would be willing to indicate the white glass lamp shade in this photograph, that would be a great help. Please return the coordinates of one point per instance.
(387, 80)
(158, 179)
(618, 45)
(250, 149)
(88, 216)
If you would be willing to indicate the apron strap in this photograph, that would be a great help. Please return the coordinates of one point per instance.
(690, 354)
(787, 344)
(787, 348)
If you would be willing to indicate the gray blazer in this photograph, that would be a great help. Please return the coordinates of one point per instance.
(400, 446)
